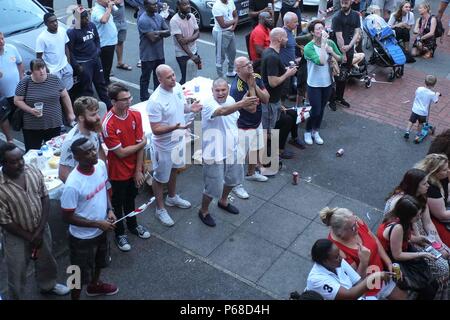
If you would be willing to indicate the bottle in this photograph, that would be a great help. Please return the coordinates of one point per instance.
(40, 162)
(46, 151)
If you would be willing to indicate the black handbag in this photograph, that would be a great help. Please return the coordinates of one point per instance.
(5, 108)
(17, 118)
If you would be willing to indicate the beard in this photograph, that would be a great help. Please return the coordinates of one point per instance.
(95, 126)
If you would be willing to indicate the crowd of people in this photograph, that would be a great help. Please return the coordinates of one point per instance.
(238, 122)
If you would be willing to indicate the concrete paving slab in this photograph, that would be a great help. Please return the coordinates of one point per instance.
(276, 225)
(266, 190)
(302, 246)
(246, 254)
(247, 208)
(287, 274)
(304, 199)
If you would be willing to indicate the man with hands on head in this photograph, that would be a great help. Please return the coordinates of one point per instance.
(86, 207)
(166, 108)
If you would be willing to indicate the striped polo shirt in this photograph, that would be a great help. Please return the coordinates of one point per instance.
(48, 92)
(21, 206)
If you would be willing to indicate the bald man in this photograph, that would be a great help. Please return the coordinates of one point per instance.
(259, 37)
(274, 74)
(166, 108)
(222, 169)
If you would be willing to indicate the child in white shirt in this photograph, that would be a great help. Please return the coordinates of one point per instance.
(421, 106)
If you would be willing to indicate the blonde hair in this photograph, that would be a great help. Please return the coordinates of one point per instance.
(426, 6)
(430, 80)
(431, 164)
(335, 218)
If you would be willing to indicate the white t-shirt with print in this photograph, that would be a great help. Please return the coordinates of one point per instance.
(167, 108)
(87, 195)
(408, 19)
(422, 101)
(327, 283)
(221, 9)
(219, 134)
(53, 47)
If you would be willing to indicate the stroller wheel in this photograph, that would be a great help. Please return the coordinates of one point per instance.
(391, 76)
(368, 83)
(399, 72)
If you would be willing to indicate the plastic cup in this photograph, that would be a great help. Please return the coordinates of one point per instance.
(39, 106)
(196, 88)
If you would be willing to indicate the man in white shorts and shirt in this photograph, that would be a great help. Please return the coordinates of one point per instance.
(51, 46)
(221, 169)
(225, 22)
(166, 108)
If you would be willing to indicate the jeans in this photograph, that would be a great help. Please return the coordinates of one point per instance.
(318, 98)
(107, 57)
(93, 74)
(148, 67)
(122, 200)
(33, 139)
(182, 62)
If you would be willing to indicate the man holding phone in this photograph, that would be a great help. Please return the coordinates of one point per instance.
(166, 108)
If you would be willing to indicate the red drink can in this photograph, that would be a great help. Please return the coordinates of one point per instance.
(295, 177)
(340, 152)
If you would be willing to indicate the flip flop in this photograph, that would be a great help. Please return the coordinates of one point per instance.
(124, 66)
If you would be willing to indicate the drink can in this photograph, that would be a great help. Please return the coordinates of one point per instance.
(340, 152)
(114, 8)
(396, 269)
(291, 63)
(196, 88)
(295, 177)
(269, 5)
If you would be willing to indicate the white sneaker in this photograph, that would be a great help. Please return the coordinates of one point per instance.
(58, 289)
(177, 201)
(231, 74)
(307, 137)
(317, 137)
(240, 192)
(164, 217)
(257, 177)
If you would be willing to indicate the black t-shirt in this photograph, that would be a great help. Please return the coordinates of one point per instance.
(271, 65)
(434, 192)
(346, 24)
(257, 5)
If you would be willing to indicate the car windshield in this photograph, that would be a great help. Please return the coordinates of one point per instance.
(18, 16)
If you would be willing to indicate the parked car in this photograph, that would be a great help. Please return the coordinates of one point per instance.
(202, 10)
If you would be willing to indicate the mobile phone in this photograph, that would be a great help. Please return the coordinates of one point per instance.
(433, 251)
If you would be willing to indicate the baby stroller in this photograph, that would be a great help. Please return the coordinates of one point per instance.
(386, 50)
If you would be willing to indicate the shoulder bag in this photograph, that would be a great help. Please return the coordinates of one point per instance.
(17, 118)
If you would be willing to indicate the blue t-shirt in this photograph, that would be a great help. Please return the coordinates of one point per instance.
(84, 43)
(288, 53)
(151, 51)
(107, 31)
(239, 89)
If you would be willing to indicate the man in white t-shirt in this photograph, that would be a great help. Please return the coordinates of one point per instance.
(51, 46)
(86, 207)
(221, 168)
(185, 31)
(421, 106)
(166, 108)
(225, 22)
(88, 125)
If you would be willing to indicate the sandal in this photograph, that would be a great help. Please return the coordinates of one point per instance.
(124, 66)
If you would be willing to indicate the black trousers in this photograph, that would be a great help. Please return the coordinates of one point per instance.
(287, 124)
(93, 74)
(148, 67)
(33, 139)
(122, 200)
(340, 84)
(107, 57)
(182, 62)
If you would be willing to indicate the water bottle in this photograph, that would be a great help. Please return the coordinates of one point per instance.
(47, 153)
(40, 162)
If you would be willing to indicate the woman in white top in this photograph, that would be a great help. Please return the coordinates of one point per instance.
(402, 21)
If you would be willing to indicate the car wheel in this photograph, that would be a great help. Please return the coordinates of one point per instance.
(197, 15)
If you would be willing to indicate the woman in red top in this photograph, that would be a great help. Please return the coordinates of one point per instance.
(358, 246)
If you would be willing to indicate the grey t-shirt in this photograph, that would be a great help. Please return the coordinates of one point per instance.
(151, 51)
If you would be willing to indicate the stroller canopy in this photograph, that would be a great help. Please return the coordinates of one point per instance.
(376, 26)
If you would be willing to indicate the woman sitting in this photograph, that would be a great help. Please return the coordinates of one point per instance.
(402, 21)
(415, 184)
(425, 42)
(436, 166)
(395, 234)
(334, 279)
(359, 247)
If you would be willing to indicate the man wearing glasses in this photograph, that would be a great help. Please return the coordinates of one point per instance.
(124, 137)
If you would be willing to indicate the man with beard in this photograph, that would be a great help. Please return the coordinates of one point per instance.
(185, 30)
(88, 126)
(221, 169)
(347, 26)
(259, 37)
(274, 74)
(84, 47)
(24, 211)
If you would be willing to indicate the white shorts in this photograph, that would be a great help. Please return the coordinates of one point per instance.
(251, 139)
(164, 161)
